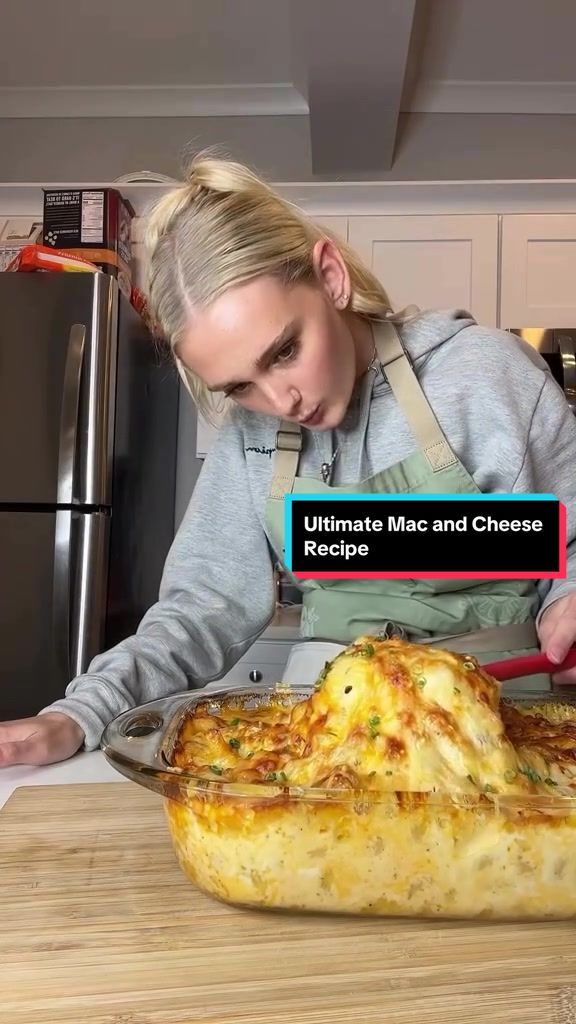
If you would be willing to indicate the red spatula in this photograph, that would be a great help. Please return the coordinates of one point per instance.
(531, 664)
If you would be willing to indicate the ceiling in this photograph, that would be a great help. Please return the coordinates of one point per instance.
(352, 67)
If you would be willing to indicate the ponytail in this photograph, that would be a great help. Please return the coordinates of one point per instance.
(225, 226)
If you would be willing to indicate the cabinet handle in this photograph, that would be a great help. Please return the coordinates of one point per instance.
(255, 676)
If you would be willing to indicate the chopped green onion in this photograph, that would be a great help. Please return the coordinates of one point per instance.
(489, 789)
(374, 722)
(271, 777)
(531, 774)
(469, 664)
(216, 769)
(510, 775)
(421, 682)
(235, 721)
(322, 676)
(234, 743)
(550, 782)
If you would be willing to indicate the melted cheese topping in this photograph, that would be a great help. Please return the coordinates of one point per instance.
(392, 735)
(387, 716)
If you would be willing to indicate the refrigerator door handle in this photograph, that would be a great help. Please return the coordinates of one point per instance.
(89, 582)
(69, 415)
(81, 547)
(61, 589)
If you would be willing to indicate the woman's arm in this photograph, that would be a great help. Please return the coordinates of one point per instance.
(549, 466)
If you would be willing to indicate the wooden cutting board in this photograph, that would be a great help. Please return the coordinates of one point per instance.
(99, 926)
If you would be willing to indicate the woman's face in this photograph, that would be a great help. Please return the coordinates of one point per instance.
(291, 352)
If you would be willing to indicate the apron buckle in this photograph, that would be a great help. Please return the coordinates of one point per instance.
(286, 441)
(390, 631)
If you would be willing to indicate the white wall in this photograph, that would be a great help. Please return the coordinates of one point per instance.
(429, 146)
(64, 149)
(488, 40)
(485, 146)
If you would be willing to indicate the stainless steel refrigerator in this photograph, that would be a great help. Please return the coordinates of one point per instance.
(88, 434)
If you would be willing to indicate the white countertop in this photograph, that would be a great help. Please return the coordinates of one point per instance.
(88, 766)
(92, 766)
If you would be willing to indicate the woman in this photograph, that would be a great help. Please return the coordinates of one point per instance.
(327, 388)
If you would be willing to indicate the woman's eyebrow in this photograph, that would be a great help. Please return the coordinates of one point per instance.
(267, 358)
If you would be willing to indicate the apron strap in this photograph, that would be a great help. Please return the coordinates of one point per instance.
(411, 398)
(286, 457)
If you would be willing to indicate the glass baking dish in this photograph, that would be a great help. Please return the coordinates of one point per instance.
(280, 847)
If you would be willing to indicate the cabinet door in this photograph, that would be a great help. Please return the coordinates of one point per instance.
(538, 270)
(263, 662)
(433, 261)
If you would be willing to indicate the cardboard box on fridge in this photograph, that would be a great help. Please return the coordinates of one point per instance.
(93, 223)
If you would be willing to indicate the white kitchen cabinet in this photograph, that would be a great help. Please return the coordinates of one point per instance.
(437, 261)
(338, 225)
(538, 271)
(264, 662)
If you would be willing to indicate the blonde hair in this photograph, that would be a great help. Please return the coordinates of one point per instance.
(225, 226)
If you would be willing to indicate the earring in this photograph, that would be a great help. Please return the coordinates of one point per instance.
(343, 301)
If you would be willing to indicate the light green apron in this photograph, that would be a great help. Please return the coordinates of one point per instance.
(489, 619)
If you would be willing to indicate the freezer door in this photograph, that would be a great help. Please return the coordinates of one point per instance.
(53, 571)
(58, 336)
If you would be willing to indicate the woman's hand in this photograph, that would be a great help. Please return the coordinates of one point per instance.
(557, 634)
(40, 740)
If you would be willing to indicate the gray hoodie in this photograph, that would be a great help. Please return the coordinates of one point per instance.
(504, 416)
